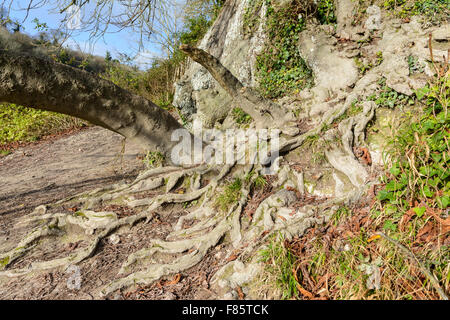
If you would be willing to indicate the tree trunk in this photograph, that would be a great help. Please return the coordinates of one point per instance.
(43, 84)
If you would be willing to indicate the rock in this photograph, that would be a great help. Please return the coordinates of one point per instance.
(396, 23)
(198, 92)
(339, 188)
(413, 27)
(233, 274)
(305, 94)
(117, 296)
(344, 15)
(351, 53)
(374, 20)
(396, 71)
(331, 71)
(442, 34)
(347, 165)
(183, 98)
(344, 35)
(40, 210)
(328, 29)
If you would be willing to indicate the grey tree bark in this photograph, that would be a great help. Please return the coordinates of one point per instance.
(43, 84)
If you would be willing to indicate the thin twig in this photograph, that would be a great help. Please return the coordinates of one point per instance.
(421, 266)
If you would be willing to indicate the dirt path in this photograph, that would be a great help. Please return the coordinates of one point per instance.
(53, 170)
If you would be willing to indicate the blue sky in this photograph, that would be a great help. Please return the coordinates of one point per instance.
(114, 42)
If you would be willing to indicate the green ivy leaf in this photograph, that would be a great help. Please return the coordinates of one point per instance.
(419, 211)
(394, 186)
(427, 192)
(395, 170)
(385, 195)
(443, 201)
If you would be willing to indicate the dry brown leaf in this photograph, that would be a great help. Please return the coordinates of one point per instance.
(348, 234)
(240, 293)
(304, 292)
(264, 233)
(175, 280)
(424, 230)
(232, 257)
(364, 155)
(405, 219)
(445, 224)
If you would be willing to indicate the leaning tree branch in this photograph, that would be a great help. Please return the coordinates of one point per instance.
(222, 75)
(43, 84)
(265, 112)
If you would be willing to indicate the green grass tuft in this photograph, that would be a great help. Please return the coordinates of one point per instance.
(231, 194)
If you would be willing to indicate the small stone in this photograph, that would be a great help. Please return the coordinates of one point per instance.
(344, 35)
(228, 296)
(352, 53)
(114, 239)
(374, 20)
(396, 23)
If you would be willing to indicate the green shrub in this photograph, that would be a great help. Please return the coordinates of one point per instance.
(231, 194)
(240, 116)
(434, 10)
(326, 12)
(19, 123)
(281, 69)
(419, 151)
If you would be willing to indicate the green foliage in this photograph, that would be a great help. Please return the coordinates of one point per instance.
(281, 69)
(231, 194)
(363, 68)
(418, 172)
(379, 59)
(19, 123)
(153, 159)
(340, 214)
(414, 65)
(65, 56)
(326, 12)
(40, 26)
(156, 84)
(434, 10)
(258, 183)
(124, 76)
(390, 98)
(354, 109)
(4, 262)
(196, 28)
(200, 15)
(280, 261)
(251, 16)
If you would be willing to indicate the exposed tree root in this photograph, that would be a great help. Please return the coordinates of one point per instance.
(190, 244)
